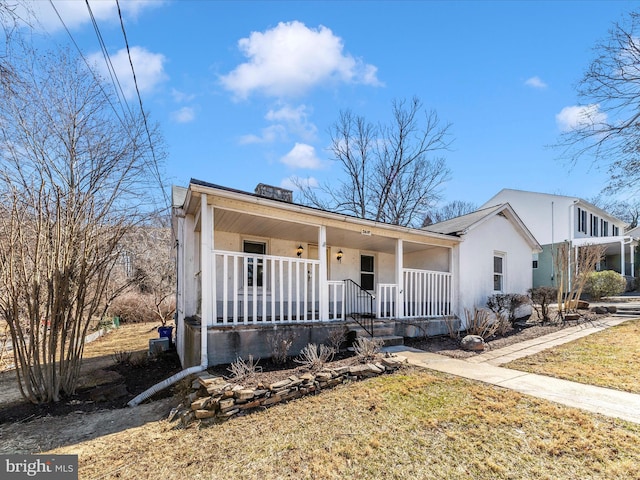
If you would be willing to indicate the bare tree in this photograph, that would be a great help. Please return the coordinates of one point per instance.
(453, 209)
(626, 210)
(75, 177)
(609, 127)
(391, 173)
(573, 265)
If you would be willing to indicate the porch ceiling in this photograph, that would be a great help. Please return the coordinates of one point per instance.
(258, 226)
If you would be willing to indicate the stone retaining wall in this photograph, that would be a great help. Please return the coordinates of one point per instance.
(217, 399)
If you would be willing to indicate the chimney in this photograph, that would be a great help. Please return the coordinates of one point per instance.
(275, 193)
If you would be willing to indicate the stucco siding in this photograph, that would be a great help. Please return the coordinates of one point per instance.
(496, 235)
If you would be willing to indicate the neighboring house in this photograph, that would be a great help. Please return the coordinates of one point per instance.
(555, 219)
(254, 265)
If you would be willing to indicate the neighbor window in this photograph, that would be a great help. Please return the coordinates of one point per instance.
(582, 220)
(535, 260)
(498, 273)
(367, 272)
(256, 274)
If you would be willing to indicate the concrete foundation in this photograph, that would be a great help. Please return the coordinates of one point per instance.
(227, 344)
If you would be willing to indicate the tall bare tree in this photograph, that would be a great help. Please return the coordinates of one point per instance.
(392, 171)
(453, 209)
(609, 128)
(75, 177)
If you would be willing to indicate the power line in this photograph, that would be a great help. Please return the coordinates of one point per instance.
(144, 115)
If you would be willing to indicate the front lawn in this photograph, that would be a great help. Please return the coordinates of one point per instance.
(610, 358)
(413, 424)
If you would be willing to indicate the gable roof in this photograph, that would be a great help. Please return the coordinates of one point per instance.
(465, 223)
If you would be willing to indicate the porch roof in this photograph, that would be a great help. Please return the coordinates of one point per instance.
(238, 211)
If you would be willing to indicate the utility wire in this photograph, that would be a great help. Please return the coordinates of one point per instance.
(98, 81)
(110, 68)
(144, 115)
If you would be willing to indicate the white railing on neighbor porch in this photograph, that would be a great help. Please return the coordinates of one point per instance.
(426, 294)
(258, 289)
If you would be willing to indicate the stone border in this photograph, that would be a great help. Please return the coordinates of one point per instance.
(214, 399)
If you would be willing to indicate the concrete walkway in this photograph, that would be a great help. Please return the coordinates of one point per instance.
(484, 368)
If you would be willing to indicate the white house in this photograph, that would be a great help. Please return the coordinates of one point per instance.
(252, 264)
(555, 219)
(494, 255)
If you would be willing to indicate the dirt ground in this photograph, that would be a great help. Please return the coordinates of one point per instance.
(27, 428)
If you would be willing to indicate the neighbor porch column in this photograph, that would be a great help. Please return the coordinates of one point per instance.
(632, 258)
(622, 259)
(324, 286)
(399, 278)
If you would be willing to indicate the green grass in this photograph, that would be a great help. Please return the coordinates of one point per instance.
(410, 425)
(610, 358)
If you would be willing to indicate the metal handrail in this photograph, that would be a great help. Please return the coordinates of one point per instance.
(359, 305)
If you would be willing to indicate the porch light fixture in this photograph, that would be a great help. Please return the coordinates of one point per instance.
(299, 250)
(339, 256)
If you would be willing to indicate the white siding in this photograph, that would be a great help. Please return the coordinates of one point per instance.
(476, 262)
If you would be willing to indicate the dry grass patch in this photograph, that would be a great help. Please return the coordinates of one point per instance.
(610, 358)
(130, 337)
(407, 425)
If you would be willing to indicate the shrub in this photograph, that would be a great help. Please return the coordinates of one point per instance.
(139, 307)
(541, 299)
(604, 284)
(506, 304)
(366, 349)
(481, 322)
(241, 369)
(337, 337)
(315, 356)
(280, 343)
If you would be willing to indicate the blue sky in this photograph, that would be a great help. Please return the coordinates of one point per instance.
(244, 92)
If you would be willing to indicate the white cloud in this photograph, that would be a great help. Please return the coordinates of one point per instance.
(302, 156)
(291, 183)
(75, 13)
(291, 59)
(296, 121)
(181, 97)
(578, 116)
(149, 69)
(535, 82)
(270, 134)
(184, 115)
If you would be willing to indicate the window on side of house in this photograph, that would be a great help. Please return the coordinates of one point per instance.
(616, 231)
(255, 267)
(498, 272)
(593, 219)
(582, 220)
(367, 272)
(604, 228)
(535, 260)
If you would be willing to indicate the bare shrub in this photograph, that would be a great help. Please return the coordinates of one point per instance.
(506, 304)
(122, 357)
(280, 343)
(136, 307)
(241, 369)
(481, 322)
(315, 356)
(541, 299)
(366, 349)
(337, 337)
(451, 324)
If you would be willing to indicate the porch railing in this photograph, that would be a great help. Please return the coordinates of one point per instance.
(252, 289)
(426, 294)
(359, 305)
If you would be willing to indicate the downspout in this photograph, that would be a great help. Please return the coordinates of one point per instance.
(204, 359)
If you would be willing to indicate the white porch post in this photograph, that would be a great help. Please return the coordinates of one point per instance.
(207, 262)
(622, 259)
(399, 278)
(632, 258)
(324, 286)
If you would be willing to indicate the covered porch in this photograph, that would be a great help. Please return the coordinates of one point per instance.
(251, 261)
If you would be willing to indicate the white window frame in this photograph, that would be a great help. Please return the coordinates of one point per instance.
(266, 249)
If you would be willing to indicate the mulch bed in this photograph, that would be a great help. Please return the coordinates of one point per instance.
(135, 378)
